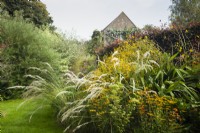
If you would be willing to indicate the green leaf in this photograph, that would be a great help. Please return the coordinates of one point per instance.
(168, 82)
(183, 71)
(158, 87)
(173, 57)
(179, 74)
(159, 73)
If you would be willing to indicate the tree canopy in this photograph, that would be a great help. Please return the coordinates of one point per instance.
(95, 42)
(185, 11)
(33, 10)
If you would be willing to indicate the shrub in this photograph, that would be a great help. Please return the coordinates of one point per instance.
(170, 39)
(74, 55)
(131, 58)
(155, 114)
(23, 46)
(83, 63)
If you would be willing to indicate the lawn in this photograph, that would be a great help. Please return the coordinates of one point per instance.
(16, 120)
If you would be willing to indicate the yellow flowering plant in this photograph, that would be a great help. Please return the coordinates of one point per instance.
(156, 113)
(132, 90)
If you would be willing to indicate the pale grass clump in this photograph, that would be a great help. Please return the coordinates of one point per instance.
(88, 87)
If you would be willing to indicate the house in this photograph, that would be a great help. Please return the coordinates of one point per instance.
(118, 29)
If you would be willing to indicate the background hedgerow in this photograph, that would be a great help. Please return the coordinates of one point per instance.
(172, 40)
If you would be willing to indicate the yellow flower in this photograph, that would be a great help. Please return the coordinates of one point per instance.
(191, 50)
(183, 55)
(171, 102)
(92, 110)
(133, 100)
(180, 49)
(101, 113)
(125, 42)
(150, 114)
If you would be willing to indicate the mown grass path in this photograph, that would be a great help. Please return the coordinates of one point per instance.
(16, 120)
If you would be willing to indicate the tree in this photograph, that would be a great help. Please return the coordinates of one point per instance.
(185, 11)
(150, 29)
(96, 42)
(33, 10)
(23, 46)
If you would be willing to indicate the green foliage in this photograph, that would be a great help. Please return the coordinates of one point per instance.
(169, 79)
(32, 48)
(112, 35)
(70, 49)
(24, 46)
(150, 29)
(74, 55)
(95, 43)
(171, 39)
(177, 39)
(184, 12)
(136, 89)
(33, 10)
(131, 60)
(83, 63)
(109, 94)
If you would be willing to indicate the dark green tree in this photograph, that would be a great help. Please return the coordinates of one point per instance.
(185, 11)
(33, 10)
(96, 42)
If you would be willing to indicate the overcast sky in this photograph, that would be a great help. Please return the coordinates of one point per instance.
(82, 17)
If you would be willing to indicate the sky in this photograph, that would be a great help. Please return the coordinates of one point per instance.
(82, 17)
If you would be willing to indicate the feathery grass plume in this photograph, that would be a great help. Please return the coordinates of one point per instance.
(44, 86)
